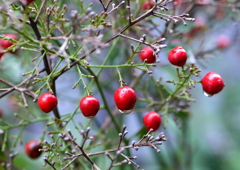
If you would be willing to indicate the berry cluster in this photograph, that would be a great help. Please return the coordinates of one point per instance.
(212, 83)
(124, 97)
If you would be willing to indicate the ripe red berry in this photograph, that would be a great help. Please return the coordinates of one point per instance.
(199, 26)
(6, 43)
(147, 55)
(177, 56)
(148, 4)
(212, 83)
(47, 102)
(27, 2)
(89, 106)
(152, 120)
(223, 41)
(32, 149)
(125, 99)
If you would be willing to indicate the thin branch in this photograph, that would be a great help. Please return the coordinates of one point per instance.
(129, 11)
(20, 84)
(40, 10)
(147, 140)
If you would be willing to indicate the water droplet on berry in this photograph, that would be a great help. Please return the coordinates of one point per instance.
(89, 117)
(208, 95)
(125, 112)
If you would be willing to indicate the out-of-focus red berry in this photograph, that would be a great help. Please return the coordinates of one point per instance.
(148, 4)
(5, 44)
(223, 41)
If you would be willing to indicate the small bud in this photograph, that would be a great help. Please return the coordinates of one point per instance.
(82, 132)
(88, 129)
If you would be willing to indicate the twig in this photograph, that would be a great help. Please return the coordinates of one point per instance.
(40, 10)
(147, 140)
(22, 83)
(51, 164)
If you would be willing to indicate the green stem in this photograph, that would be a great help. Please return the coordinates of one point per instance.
(133, 54)
(49, 78)
(6, 128)
(5, 141)
(179, 86)
(104, 100)
(70, 118)
(89, 93)
(105, 60)
(119, 66)
(120, 78)
(19, 135)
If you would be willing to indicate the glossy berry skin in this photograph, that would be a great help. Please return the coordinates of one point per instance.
(47, 102)
(89, 106)
(152, 120)
(212, 83)
(147, 55)
(32, 149)
(125, 98)
(177, 56)
(148, 4)
(6, 43)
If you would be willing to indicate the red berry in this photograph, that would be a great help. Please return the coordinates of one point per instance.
(6, 43)
(152, 120)
(147, 55)
(27, 2)
(89, 106)
(1, 54)
(32, 149)
(200, 25)
(47, 102)
(212, 83)
(177, 56)
(148, 4)
(223, 41)
(125, 99)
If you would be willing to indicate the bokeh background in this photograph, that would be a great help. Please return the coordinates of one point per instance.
(207, 140)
